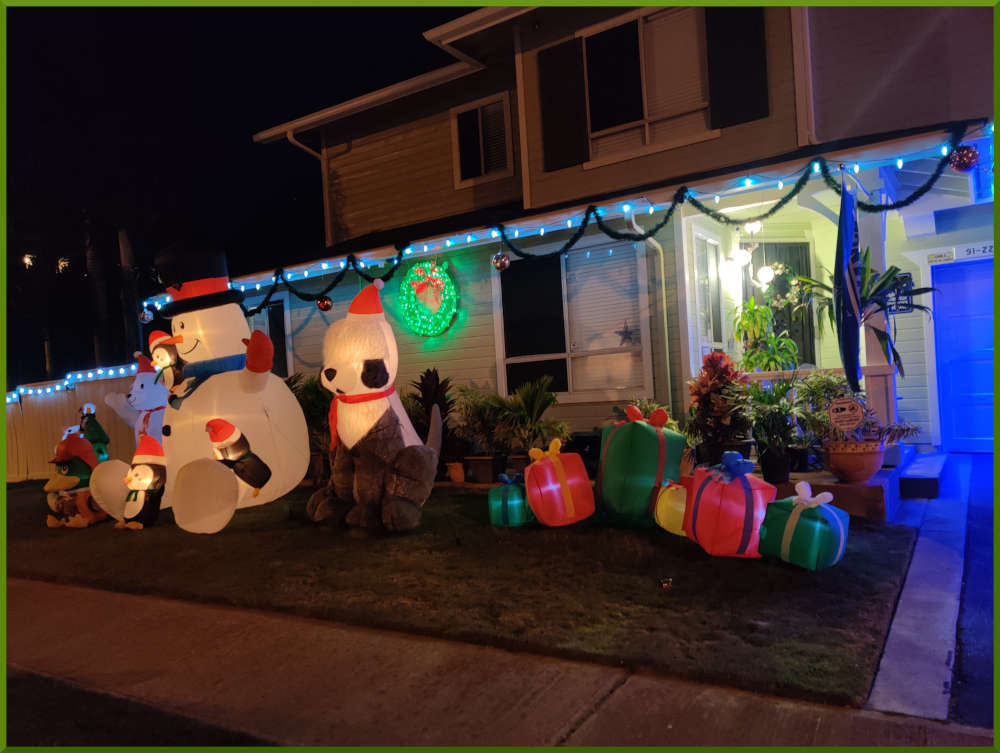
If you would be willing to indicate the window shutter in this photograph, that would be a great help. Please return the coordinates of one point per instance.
(676, 79)
(561, 88)
(494, 137)
(737, 65)
(468, 144)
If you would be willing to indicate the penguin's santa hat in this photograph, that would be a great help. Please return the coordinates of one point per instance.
(159, 337)
(149, 452)
(221, 433)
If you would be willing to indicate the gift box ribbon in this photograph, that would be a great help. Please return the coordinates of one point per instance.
(805, 501)
(508, 482)
(553, 454)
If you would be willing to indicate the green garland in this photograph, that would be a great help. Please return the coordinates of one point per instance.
(683, 194)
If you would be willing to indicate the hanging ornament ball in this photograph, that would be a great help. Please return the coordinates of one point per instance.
(146, 316)
(323, 303)
(964, 158)
(500, 261)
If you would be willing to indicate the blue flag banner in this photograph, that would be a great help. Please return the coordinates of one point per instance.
(847, 289)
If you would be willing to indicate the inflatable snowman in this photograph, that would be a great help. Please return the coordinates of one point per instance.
(227, 375)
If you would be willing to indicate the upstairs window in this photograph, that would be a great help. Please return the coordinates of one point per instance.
(481, 141)
(647, 83)
(650, 80)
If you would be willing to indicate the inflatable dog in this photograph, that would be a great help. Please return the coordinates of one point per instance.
(382, 472)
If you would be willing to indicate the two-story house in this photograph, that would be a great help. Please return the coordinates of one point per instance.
(549, 110)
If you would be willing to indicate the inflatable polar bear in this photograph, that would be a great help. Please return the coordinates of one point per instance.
(381, 472)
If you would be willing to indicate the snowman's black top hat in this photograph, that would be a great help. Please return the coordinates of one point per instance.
(196, 277)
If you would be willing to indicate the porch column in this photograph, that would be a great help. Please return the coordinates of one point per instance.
(880, 377)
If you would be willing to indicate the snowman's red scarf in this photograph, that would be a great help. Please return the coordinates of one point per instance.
(341, 398)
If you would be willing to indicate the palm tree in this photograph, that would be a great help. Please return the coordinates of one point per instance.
(878, 291)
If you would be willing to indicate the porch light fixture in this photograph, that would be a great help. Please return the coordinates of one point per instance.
(752, 228)
(28, 260)
(740, 256)
(765, 275)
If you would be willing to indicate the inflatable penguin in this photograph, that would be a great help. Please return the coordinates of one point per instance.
(382, 472)
(163, 352)
(227, 375)
(68, 491)
(232, 449)
(145, 481)
(144, 405)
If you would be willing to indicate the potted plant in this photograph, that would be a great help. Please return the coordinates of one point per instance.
(763, 349)
(481, 423)
(523, 419)
(716, 422)
(775, 414)
(852, 456)
(430, 390)
(315, 403)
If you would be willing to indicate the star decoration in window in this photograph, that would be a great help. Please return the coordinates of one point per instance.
(627, 334)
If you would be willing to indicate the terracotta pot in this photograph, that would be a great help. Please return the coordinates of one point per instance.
(853, 462)
(775, 465)
(456, 473)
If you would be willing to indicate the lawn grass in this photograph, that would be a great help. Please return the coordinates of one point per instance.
(587, 591)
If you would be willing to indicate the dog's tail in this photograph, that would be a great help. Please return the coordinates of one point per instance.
(435, 430)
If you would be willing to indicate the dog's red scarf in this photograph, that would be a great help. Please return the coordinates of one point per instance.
(340, 398)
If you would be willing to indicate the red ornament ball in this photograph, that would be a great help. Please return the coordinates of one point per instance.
(323, 303)
(964, 158)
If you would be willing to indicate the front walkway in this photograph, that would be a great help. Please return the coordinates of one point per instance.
(296, 681)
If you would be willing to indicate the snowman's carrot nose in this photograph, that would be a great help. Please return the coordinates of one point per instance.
(172, 340)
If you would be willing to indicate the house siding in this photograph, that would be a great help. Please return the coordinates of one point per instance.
(404, 175)
(756, 139)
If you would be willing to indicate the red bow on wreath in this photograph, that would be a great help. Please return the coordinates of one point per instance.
(430, 278)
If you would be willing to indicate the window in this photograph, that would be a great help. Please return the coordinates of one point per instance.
(579, 317)
(647, 83)
(708, 291)
(273, 321)
(650, 80)
(481, 141)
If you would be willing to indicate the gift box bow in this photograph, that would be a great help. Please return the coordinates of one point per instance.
(657, 418)
(733, 466)
(553, 452)
(517, 478)
(803, 496)
(426, 280)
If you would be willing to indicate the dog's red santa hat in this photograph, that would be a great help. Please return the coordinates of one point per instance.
(367, 303)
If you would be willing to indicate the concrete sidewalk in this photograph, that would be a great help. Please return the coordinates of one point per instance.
(296, 681)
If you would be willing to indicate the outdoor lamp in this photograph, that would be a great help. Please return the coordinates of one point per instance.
(740, 256)
(765, 274)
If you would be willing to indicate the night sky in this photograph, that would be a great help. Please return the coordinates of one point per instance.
(142, 118)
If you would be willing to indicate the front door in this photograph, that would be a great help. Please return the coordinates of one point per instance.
(963, 340)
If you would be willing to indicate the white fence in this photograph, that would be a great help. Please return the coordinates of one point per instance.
(36, 423)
